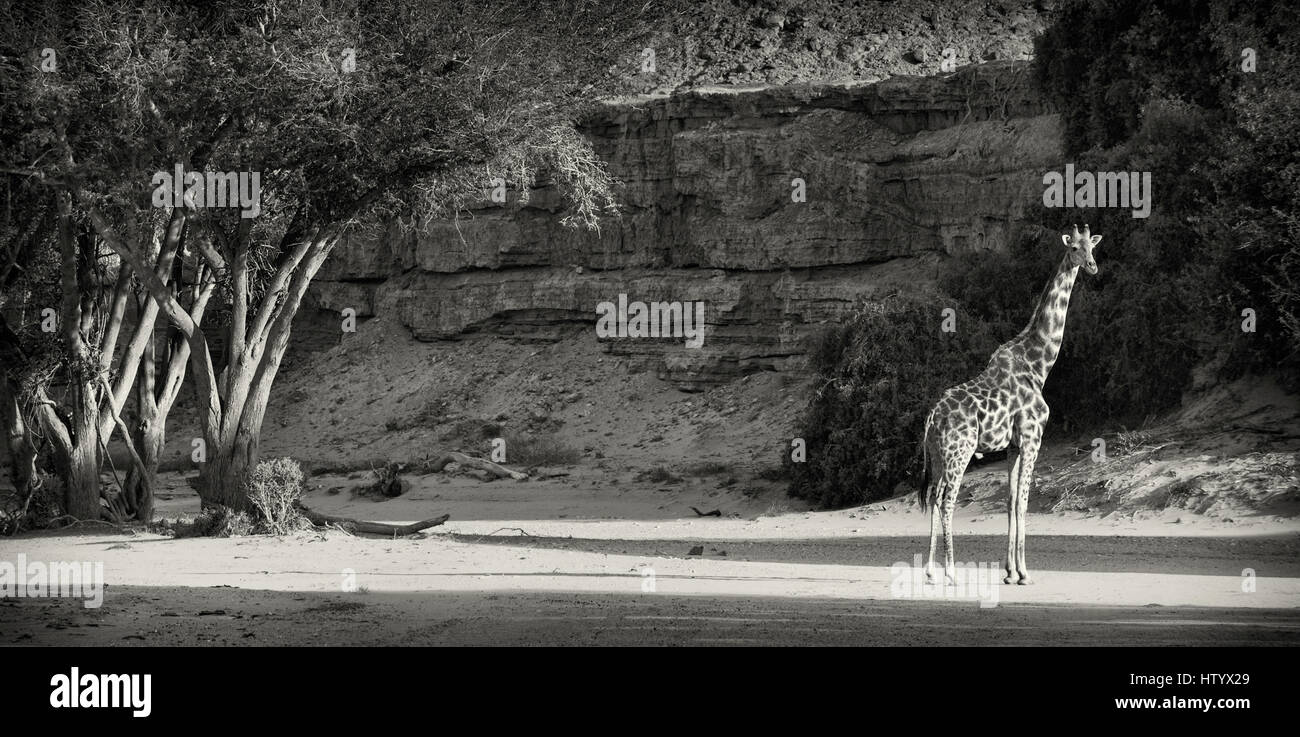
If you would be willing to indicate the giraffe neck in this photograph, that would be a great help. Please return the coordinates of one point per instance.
(1042, 337)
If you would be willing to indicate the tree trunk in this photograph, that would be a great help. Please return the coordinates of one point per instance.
(149, 436)
(232, 421)
(81, 468)
(18, 440)
(146, 435)
(227, 480)
(226, 471)
(75, 437)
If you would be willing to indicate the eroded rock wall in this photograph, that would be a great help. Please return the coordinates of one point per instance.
(897, 174)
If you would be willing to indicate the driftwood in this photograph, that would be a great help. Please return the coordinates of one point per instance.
(374, 528)
(501, 472)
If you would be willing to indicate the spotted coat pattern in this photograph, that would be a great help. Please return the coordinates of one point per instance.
(1000, 408)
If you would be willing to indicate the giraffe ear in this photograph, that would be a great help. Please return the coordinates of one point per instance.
(1065, 238)
(1095, 240)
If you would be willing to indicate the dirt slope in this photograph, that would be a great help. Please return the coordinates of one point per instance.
(611, 440)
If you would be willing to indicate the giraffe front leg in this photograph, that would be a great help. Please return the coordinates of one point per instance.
(1013, 482)
(1029, 454)
(934, 535)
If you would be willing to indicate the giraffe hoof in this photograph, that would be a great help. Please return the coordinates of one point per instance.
(1024, 581)
(929, 577)
(1010, 578)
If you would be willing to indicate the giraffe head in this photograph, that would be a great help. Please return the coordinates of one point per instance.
(1080, 246)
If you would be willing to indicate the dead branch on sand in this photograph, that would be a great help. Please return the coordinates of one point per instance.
(501, 472)
(520, 530)
(374, 528)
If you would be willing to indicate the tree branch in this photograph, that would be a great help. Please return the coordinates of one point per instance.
(143, 334)
(200, 357)
(373, 528)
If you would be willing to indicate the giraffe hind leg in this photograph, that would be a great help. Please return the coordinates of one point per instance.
(951, 485)
(934, 531)
(1013, 482)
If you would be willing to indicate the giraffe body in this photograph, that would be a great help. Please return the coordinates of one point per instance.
(1000, 408)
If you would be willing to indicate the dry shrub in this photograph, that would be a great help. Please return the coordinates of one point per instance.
(539, 450)
(274, 489)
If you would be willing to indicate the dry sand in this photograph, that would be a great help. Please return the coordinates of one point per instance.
(532, 577)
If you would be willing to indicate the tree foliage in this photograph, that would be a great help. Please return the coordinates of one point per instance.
(350, 112)
(1160, 87)
(1204, 95)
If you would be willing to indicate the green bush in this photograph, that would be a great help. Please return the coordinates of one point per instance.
(879, 373)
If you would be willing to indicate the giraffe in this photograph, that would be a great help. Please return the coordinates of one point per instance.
(1002, 406)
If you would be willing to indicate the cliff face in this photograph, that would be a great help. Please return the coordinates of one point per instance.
(896, 173)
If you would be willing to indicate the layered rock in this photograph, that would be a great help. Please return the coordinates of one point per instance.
(895, 173)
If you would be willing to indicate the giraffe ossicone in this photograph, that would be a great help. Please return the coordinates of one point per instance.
(1001, 407)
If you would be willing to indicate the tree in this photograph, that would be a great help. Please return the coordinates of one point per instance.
(24, 233)
(59, 364)
(1216, 130)
(346, 113)
(879, 372)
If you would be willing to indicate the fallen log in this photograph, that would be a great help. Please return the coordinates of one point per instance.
(374, 528)
(501, 472)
